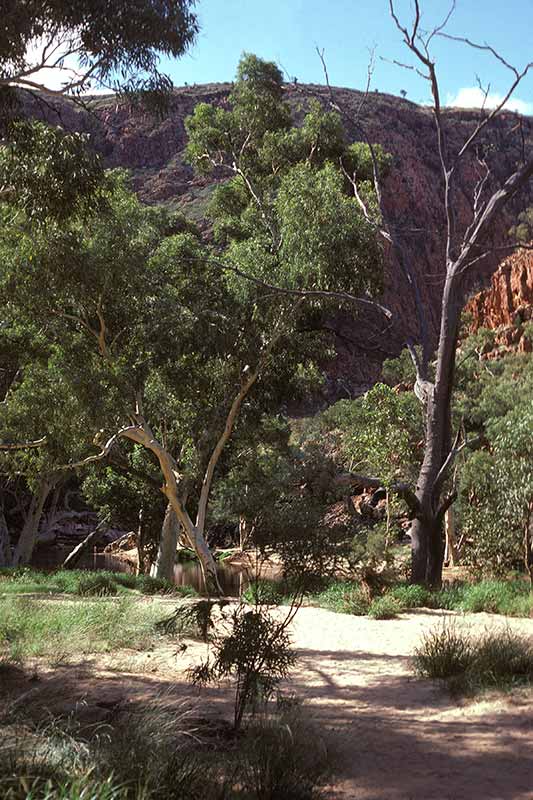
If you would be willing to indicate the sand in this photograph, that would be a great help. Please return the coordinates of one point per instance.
(391, 736)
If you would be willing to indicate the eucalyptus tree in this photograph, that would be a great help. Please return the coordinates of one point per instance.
(283, 219)
(152, 345)
(64, 49)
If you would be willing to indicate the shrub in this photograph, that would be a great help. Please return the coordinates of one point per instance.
(150, 585)
(281, 760)
(444, 653)
(411, 596)
(97, 584)
(386, 607)
(256, 652)
(494, 597)
(501, 658)
(449, 597)
(126, 579)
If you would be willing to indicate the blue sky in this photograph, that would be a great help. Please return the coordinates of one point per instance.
(287, 31)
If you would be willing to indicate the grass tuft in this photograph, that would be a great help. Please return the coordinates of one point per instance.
(497, 659)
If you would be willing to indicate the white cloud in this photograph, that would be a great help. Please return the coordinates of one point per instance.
(474, 97)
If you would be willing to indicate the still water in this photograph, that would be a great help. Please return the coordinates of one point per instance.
(233, 579)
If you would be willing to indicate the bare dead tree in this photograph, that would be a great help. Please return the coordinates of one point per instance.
(464, 250)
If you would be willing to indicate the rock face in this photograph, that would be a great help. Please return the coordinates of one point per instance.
(509, 298)
(153, 151)
(507, 302)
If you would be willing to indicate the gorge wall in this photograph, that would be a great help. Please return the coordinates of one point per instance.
(152, 149)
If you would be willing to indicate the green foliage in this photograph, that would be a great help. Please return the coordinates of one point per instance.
(497, 659)
(28, 581)
(385, 607)
(265, 592)
(343, 597)
(511, 598)
(523, 230)
(285, 214)
(160, 751)
(113, 41)
(495, 597)
(445, 652)
(282, 758)
(49, 174)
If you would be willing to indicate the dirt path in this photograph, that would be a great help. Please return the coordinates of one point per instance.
(392, 736)
(399, 738)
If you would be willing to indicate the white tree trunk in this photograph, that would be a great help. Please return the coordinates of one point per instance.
(5, 546)
(451, 556)
(28, 535)
(163, 567)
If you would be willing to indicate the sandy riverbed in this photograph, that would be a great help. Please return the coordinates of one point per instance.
(392, 736)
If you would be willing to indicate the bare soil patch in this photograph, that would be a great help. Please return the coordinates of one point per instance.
(391, 735)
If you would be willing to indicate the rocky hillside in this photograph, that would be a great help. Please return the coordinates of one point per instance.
(153, 151)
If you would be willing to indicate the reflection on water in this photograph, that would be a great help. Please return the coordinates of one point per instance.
(233, 579)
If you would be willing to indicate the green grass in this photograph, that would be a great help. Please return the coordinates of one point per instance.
(498, 659)
(85, 582)
(411, 596)
(31, 627)
(510, 598)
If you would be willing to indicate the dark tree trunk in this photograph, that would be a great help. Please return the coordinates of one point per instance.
(427, 532)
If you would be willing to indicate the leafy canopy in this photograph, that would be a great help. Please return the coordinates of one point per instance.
(286, 216)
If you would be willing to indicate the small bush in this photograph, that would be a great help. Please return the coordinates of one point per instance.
(126, 579)
(280, 759)
(150, 585)
(255, 651)
(444, 653)
(97, 584)
(386, 607)
(494, 597)
(501, 659)
(449, 597)
(411, 596)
